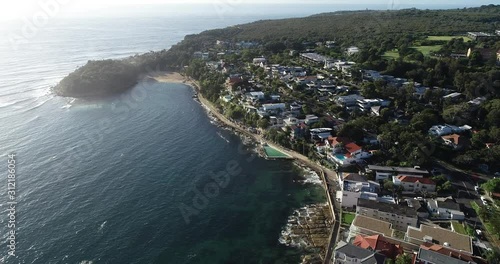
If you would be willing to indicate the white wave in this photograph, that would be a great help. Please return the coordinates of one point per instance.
(101, 227)
(310, 176)
(221, 136)
(86, 262)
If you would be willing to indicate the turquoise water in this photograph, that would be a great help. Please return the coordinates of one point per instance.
(340, 156)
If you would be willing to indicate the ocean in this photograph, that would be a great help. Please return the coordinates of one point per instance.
(143, 177)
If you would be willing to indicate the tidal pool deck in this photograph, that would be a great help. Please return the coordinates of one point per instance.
(272, 153)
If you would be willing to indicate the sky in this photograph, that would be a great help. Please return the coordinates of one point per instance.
(28, 9)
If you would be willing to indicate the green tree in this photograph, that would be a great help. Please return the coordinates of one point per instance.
(493, 256)
(263, 123)
(404, 259)
(492, 186)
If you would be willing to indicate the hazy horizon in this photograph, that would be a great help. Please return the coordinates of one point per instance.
(78, 8)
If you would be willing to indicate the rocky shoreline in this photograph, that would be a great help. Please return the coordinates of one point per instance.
(308, 229)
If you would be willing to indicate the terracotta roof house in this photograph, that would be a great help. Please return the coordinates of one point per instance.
(414, 184)
(345, 152)
(378, 244)
(448, 255)
(456, 141)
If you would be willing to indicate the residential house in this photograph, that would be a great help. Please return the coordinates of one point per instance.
(400, 216)
(442, 130)
(346, 253)
(259, 61)
(420, 207)
(353, 187)
(450, 256)
(273, 107)
(453, 96)
(479, 35)
(380, 244)
(445, 209)
(275, 121)
(345, 152)
(311, 119)
(477, 101)
(320, 133)
(456, 141)
(439, 236)
(364, 225)
(414, 184)
(425, 256)
(386, 172)
(348, 100)
(352, 50)
(366, 104)
(295, 108)
(256, 96)
(227, 98)
(313, 58)
(290, 121)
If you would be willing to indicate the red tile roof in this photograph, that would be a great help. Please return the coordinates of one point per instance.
(455, 138)
(411, 179)
(451, 253)
(352, 147)
(380, 244)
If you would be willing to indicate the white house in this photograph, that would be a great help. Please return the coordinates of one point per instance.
(311, 119)
(352, 50)
(348, 100)
(257, 95)
(259, 61)
(354, 186)
(345, 152)
(273, 107)
(318, 133)
(441, 130)
(444, 209)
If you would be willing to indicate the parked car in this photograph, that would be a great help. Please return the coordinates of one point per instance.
(484, 200)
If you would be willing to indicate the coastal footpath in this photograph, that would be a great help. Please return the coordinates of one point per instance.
(327, 176)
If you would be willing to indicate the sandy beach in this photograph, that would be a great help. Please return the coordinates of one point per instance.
(172, 77)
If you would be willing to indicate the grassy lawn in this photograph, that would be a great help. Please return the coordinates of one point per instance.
(447, 38)
(491, 237)
(426, 50)
(347, 218)
(393, 54)
(459, 228)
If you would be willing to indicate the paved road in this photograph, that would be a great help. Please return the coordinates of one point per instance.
(464, 185)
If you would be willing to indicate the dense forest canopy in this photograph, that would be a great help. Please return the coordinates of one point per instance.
(376, 31)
